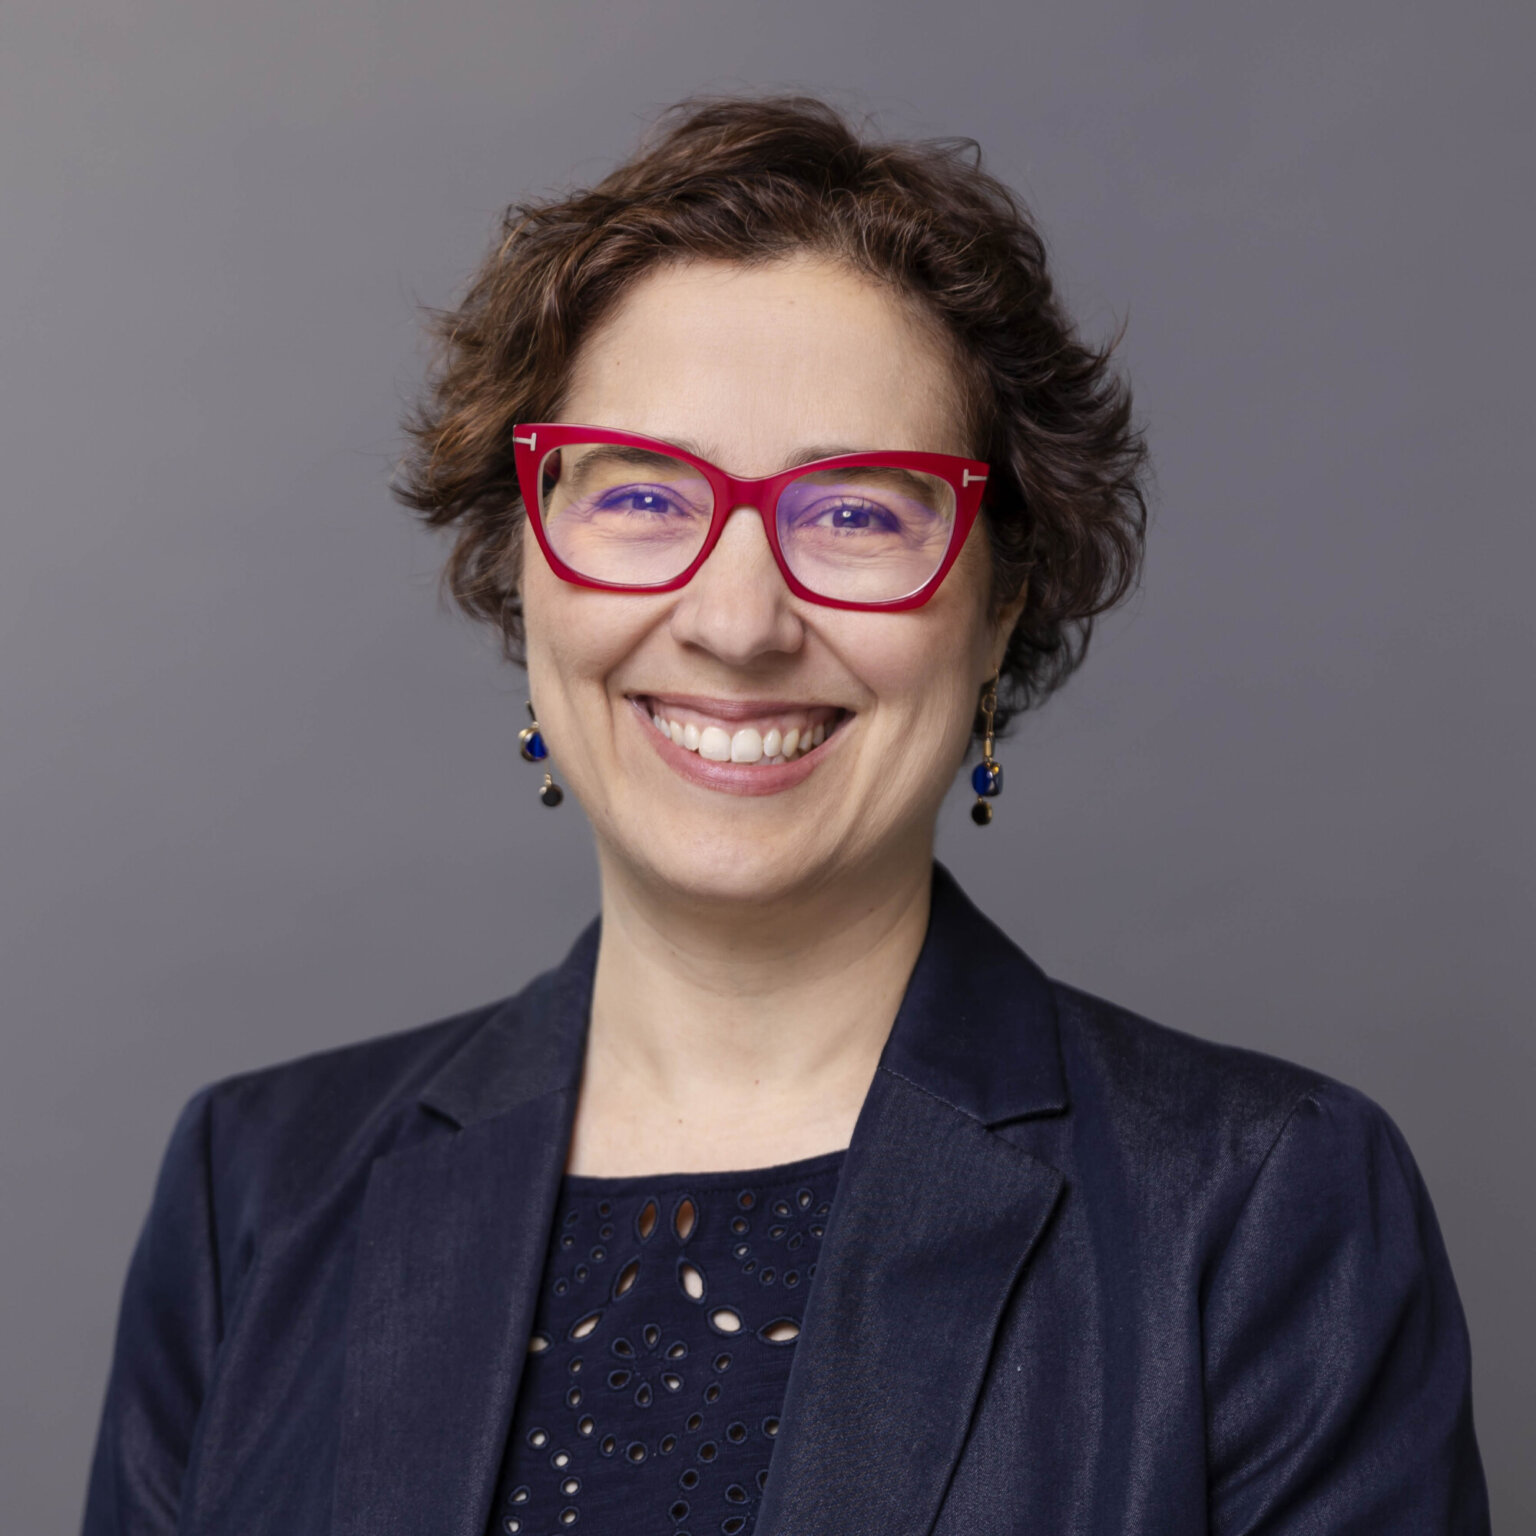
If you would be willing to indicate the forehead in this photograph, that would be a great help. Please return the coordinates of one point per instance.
(753, 363)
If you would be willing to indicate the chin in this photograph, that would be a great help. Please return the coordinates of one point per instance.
(731, 865)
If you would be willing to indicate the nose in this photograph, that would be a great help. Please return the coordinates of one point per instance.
(737, 606)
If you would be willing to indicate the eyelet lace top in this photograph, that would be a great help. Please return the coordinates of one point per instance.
(662, 1342)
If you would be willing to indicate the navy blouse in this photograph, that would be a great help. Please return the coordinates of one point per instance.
(662, 1341)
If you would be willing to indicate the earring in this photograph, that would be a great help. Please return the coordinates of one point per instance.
(987, 775)
(531, 744)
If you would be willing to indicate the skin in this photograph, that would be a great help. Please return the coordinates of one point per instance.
(755, 948)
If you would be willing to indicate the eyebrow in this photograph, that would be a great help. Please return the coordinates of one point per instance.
(599, 455)
(823, 451)
(920, 487)
(809, 455)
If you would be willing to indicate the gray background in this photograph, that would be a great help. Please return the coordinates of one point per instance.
(260, 795)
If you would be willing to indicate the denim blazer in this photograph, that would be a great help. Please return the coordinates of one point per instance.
(1083, 1274)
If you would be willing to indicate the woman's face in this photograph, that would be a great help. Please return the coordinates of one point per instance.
(758, 368)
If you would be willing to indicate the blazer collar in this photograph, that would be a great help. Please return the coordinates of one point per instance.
(977, 1028)
(531, 1045)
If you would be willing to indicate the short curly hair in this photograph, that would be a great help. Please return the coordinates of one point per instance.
(749, 179)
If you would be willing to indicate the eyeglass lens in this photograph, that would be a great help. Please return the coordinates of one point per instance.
(631, 516)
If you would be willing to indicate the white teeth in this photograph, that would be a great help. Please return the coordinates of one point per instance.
(746, 746)
(715, 744)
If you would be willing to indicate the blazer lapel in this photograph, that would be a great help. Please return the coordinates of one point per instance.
(933, 1223)
(450, 1252)
(931, 1229)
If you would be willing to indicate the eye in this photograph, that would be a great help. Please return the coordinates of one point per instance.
(851, 517)
(848, 516)
(642, 501)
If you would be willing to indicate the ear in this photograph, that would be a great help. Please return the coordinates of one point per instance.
(1003, 627)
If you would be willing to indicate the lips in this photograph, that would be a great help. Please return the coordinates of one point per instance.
(742, 746)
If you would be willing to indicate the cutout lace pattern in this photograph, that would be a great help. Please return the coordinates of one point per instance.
(662, 1344)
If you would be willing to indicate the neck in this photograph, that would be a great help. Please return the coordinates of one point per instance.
(725, 1038)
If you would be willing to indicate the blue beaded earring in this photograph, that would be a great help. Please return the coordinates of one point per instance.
(531, 744)
(987, 775)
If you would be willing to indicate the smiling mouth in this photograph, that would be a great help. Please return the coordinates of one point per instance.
(722, 731)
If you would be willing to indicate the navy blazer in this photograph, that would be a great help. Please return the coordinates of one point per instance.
(1083, 1274)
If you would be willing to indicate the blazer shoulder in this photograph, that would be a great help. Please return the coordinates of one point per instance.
(283, 1138)
(346, 1085)
(1211, 1098)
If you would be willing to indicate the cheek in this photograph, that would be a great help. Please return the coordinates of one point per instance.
(575, 638)
(563, 652)
(563, 636)
(545, 642)
(943, 654)
(927, 677)
(922, 675)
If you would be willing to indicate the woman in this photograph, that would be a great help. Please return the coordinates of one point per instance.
(796, 1199)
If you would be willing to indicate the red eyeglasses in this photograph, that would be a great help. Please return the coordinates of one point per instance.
(626, 513)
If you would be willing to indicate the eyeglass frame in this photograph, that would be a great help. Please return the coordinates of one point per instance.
(967, 478)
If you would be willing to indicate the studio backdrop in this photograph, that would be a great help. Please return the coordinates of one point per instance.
(260, 792)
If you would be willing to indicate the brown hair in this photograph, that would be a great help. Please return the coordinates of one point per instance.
(746, 180)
